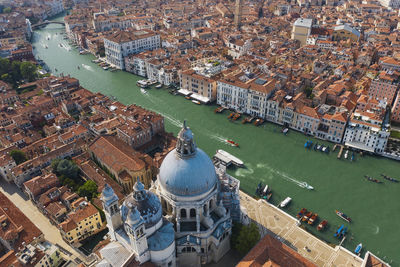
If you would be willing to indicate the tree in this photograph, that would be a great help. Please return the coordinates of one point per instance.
(88, 189)
(28, 71)
(68, 169)
(18, 156)
(4, 65)
(16, 70)
(244, 237)
(308, 91)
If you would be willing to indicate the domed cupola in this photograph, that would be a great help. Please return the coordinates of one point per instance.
(187, 170)
(147, 204)
(133, 217)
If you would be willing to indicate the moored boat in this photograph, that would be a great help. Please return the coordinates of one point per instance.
(307, 216)
(358, 249)
(346, 154)
(258, 122)
(231, 115)
(322, 225)
(196, 102)
(285, 202)
(389, 178)
(301, 213)
(313, 218)
(142, 83)
(158, 86)
(219, 110)
(369, 178)
(339, 231)
(236, 116)
(343, 216)
(285, 131)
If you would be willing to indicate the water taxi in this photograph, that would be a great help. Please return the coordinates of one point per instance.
(236, 116)
(158, 86)
(258, 122)
(196, 102)
(219, 110)
(142, 83)
(307, 216)
(301, 213)
(232, 143)
(247, 120)
(313, 218)
(285, 202)
(322, 225)
(343, 216)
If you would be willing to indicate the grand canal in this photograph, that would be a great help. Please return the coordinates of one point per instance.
(270, 157)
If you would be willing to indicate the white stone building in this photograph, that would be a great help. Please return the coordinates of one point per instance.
(123, 43)
(367, 131)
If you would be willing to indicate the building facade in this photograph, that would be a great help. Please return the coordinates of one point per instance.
(123, 43)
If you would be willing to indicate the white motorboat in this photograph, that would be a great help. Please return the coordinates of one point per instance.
(285, 202)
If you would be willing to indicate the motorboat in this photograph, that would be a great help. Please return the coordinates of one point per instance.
(322, 225)
(301, 213)
(158, 86)
(346, 154)
(232, 143)
(285, 202)
(313, 218)
(358, 249)
(196, 102)
(343, 216)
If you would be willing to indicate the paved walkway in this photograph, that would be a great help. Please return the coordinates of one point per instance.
(283, 226)
(51, 233)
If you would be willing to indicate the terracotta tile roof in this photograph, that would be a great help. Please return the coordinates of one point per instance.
(40, 184)
(116, 154)
(271, 252)
(18, 227)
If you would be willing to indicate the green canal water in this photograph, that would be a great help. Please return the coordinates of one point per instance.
(270, 157)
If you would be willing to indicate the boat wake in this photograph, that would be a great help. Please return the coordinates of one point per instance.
(376, 230)
(285, 176)
(242, 172)
(87, 67)
(221, 139)
(171, 119)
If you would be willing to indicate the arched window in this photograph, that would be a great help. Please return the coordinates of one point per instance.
(211, 203)
(192, 213)
(183, 213)
(205, 208)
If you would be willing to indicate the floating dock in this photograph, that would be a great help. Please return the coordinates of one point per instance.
(340, 152)
(227, 159)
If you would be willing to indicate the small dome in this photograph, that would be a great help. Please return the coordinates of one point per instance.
(133, 216)
(108, 195)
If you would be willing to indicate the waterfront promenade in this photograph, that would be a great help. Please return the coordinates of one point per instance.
(284, 227)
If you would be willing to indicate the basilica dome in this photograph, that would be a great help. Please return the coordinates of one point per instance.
(187, 170)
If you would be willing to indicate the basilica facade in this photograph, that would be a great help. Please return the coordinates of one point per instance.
(185, 219)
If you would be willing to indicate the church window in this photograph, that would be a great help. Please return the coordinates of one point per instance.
(183, 213)
(192, 213)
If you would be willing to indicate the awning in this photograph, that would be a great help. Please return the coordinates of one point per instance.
(184, 92)
(201, 98)
(360, 146)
